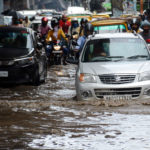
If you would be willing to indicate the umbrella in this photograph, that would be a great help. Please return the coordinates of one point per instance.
(13, 13)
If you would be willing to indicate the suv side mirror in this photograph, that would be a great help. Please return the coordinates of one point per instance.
(148, 46)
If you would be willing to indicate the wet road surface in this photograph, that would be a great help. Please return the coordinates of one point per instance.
(49, 117)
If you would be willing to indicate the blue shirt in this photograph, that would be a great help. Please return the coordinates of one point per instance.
(81, 40)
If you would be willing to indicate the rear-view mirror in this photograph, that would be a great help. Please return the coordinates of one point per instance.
(148, 46)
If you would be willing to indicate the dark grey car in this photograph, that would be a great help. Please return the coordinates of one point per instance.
(22, 59)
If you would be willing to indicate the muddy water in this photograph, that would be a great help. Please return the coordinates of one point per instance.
(49, 117)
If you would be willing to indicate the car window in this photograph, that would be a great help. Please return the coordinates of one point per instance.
(114, 49)
(110, 28)
(14, 39)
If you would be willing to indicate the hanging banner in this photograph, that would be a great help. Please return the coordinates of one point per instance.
(123, 7)
(117, 7)
(129, 6)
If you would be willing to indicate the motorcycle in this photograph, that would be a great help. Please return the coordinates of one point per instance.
(55, 52)
(73, 44)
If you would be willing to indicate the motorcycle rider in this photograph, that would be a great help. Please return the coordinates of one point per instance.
(145, 25)
(135, 25)
(74, 28)
(44, 27)
(54, 35)
(64, 24)
(88, 30)
(83, 22)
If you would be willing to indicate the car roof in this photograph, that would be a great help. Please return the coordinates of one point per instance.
(114, 35)
(15, 28)
(108, 21)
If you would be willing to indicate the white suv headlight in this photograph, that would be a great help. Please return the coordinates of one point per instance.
(87, 78)
(144, 76)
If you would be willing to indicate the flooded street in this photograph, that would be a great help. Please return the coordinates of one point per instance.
(49, 117)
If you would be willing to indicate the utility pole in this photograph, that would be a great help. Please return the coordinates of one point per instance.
(141, 6)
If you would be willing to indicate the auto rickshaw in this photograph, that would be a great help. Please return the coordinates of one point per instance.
(95, 16)
(110, 25)
(79, 16)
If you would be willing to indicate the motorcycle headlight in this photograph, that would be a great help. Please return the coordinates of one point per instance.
(57, 47)
(144, 76)
(24, 61)
(75, 36)
(87, 78)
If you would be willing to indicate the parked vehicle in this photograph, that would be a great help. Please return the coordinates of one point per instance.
(22, 59)
(113, 67)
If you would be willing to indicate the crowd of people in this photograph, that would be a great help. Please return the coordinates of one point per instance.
(61, 29)
(64, 30)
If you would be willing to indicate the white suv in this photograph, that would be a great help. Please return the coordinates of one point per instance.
(114, 66)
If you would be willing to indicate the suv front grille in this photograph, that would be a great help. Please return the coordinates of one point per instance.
(117, 79)
(134, 92)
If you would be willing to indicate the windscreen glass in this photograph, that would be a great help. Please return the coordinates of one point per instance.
(14, 39)
(115, 49)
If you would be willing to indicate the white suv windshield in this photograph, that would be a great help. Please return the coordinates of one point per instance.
(115, 49)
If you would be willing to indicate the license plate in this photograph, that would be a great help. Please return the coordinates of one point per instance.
(3, 73)
(118, 97)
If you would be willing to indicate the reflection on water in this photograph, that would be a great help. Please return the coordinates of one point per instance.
(50, 117)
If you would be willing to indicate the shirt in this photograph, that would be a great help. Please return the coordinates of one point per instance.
(44, 30)
(64, 25)
(80, 43)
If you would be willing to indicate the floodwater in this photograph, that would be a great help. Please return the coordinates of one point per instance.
(49, 117)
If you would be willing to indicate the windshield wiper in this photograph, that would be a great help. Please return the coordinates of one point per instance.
(137, 56)
(115, 56)
(101, 58)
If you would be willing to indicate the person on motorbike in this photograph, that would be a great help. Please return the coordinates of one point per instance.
(147, 14)
(88, 30)
(135, 25)
(56, 35)
(44, 28)
(26, 22)
(74, 28)
(83, 22)
(64, 24)
(73, 33)
(145, 25)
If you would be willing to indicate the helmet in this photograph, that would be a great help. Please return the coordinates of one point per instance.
(44, 21)
(64, 17)
(73, 20)
(54, 22)
(135, 21)
(83, 20)
(146, 12)
(88, 29)
(144, 24)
